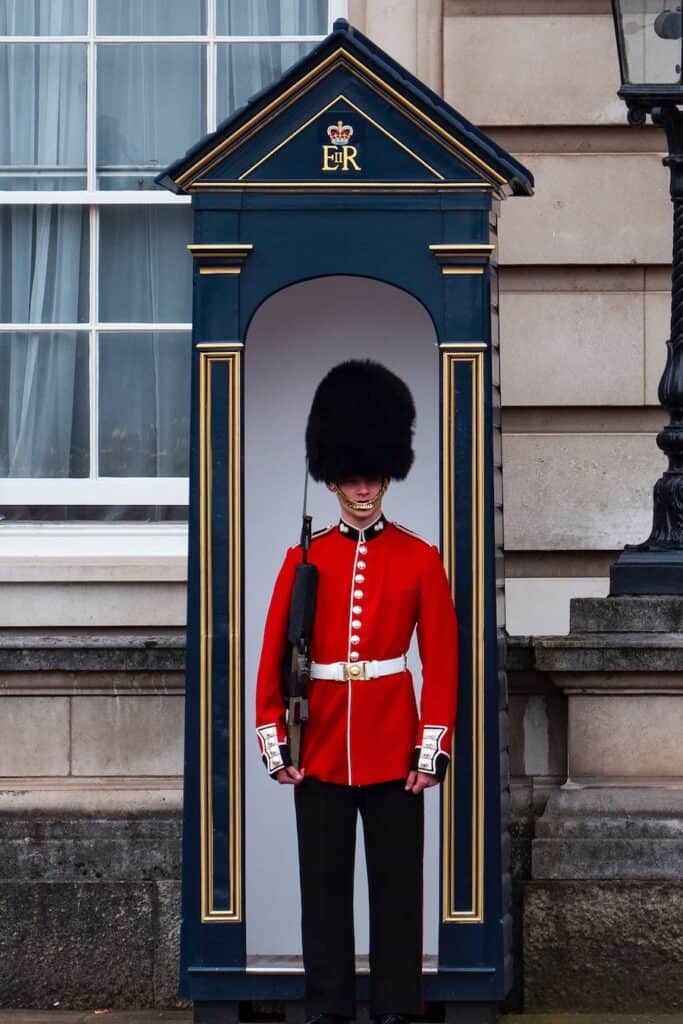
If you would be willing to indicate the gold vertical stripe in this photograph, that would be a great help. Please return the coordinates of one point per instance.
(475, 359)
(203, 494)
(230, 356)
(448, 546)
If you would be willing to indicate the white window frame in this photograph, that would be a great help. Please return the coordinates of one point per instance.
(96, 490)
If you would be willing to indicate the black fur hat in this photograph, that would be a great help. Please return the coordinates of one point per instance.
(360, 424)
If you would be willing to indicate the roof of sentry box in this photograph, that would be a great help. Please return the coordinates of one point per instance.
(346, 116)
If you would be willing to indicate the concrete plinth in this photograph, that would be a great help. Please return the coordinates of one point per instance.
(603, 912)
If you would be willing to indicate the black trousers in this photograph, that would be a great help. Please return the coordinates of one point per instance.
(393, 825)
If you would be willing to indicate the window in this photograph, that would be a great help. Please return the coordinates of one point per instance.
(95, 307)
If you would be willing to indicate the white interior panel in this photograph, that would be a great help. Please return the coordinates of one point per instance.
(295, 337)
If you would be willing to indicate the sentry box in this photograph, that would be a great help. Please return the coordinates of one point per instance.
(345, 211)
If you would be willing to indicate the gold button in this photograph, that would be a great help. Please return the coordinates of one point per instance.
(356, 624)
(363, 549)
(360, 565)
(358, 594)
(359, 577)
(355, 655)
(355, 670)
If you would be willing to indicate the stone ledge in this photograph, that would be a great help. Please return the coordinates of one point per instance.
(610, 652)
(94, 569)
(94, 797)
(86, 651)
(607, 858)
(610, 833)
(78, 849)
(519, 654)
(649, 614)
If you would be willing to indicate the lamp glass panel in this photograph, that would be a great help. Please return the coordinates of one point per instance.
(650, 38)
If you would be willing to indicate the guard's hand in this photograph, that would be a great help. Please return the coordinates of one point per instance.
(290, 776)
(417, 781)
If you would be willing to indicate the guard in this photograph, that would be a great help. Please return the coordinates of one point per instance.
(365, 746)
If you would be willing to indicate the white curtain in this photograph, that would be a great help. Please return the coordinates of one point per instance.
(43, 249)
(246, 68)
(43, 261)
(150, 108)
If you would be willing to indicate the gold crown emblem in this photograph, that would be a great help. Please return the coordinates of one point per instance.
(339, 133)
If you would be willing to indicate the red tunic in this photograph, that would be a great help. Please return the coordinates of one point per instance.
(375, 587)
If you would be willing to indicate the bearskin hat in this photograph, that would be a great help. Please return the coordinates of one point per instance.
(360, 424)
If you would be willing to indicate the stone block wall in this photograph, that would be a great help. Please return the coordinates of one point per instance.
(90, 818)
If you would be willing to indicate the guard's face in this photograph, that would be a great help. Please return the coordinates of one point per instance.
(358, 488)
(355, 492)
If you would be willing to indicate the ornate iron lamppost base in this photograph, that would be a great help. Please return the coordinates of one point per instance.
(647, 572)
(656, 566)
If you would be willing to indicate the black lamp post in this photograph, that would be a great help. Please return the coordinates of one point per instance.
(650, 43)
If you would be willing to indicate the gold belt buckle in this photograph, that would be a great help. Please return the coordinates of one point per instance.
(355, 670)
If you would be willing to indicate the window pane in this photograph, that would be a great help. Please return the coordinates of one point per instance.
(144, 404)
(246, 68)
(43, 17)
(145, 268)
(42, 116)
(151, 17)
(271, 17)
(44, 404)
(43, 264)
(151, 100)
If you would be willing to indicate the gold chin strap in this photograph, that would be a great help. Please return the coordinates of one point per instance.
(363, 506)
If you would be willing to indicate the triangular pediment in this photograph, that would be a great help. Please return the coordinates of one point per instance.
(346, 117)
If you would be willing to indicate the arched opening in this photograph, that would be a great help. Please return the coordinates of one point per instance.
(295, 336)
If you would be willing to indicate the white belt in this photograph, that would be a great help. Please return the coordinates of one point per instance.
(345, 671)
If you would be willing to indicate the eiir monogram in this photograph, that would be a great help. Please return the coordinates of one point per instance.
(340, 156)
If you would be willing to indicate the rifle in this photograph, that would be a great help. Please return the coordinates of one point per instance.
(301, 613)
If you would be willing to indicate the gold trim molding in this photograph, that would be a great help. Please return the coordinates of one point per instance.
(462, 258)
(473, 356)
(229, 356)
(221, 257)
(357, 186)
